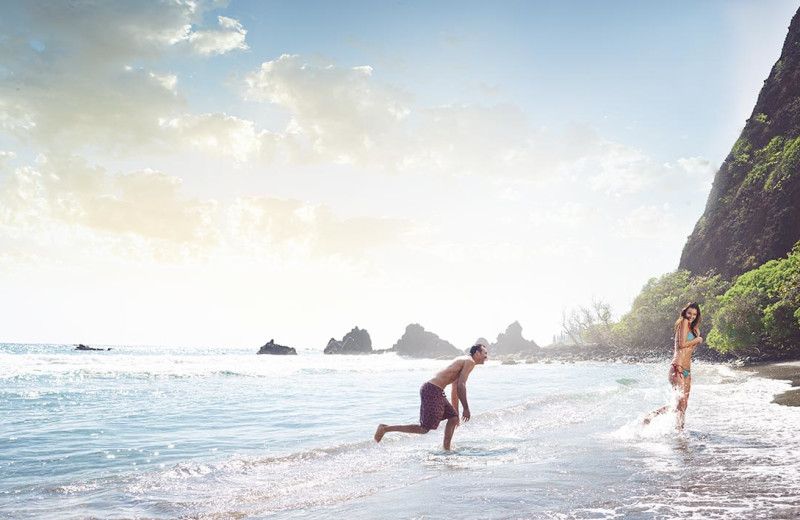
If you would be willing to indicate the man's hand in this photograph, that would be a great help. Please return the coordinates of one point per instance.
(466, 415)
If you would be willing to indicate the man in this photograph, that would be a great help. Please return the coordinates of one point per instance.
(434, 406)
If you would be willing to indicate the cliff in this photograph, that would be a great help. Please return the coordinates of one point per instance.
(357, 341)
(419, 343)
(753, 211)
(512, 342)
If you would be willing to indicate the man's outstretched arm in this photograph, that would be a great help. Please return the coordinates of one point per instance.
(461, 385)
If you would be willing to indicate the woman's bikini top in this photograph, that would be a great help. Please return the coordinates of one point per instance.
(689, 336)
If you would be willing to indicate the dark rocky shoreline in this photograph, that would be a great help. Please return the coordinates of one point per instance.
(784, 370)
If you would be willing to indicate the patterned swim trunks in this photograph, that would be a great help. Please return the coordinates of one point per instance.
(434, 406)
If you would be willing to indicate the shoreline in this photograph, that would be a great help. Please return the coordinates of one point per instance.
(784, 370)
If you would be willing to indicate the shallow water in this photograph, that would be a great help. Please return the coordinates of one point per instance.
(140, 432)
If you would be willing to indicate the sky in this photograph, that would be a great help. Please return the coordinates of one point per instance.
(223, 173)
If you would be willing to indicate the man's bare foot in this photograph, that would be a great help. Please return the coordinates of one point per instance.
(380, 432)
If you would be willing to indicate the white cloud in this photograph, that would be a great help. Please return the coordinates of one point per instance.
(220, 134)
(142, 215)
(5, 157)
(262, 224)
(83, 85)
(21, 208)
(622, 170)
(74, 74)
(168, 81)
(340, 114)
(569, 214)
(647, 222)
(698, 170)
(468, 139)
(230, 36)
(101, 33)
(344, 115)
(68, 193)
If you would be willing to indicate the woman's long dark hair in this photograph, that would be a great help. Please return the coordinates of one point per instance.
(693, 325)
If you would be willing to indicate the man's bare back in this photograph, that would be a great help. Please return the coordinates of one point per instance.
(458, 369)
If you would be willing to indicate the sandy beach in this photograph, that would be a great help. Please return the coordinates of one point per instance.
(788, 370)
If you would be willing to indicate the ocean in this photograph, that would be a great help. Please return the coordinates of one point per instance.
(203, 433)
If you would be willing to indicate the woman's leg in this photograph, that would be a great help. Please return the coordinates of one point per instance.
(683, 400)
(674, 381)
(655, 413)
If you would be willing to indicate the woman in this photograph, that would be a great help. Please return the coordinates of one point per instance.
(687, 337)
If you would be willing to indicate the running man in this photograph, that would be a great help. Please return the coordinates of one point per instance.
(434, 407)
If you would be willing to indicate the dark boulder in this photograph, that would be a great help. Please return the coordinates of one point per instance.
(419, 343)
(357, 341)
(277, 350)
(512, 342)
(81, 346)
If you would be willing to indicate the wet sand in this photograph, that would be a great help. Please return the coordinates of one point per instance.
(789, 370)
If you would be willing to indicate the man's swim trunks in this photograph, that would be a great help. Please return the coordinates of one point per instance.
(434, 406)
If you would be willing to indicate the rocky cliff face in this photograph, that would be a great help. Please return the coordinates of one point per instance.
(419, 343)
(512, 342)
(753, 211)
(357, 341)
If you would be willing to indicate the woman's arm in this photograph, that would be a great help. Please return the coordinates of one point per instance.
(684, 330)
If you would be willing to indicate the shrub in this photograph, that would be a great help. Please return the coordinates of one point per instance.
(649, 324)
(760, 313)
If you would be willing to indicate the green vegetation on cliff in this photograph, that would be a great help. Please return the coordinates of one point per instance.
(760, 314)
(771, 166)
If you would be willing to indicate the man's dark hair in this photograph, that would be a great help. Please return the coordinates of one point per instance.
(476, 348)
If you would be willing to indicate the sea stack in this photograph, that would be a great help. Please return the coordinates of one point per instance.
(277, 350)
(419, 343)
(357, 341)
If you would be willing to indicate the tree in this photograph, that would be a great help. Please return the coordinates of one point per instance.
(649, 324)
(760, 314)
(589, 324)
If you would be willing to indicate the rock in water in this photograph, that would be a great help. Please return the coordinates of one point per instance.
(81, 346)
(512, 342)
(419, 343)
(277, 350)
(357, 341)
